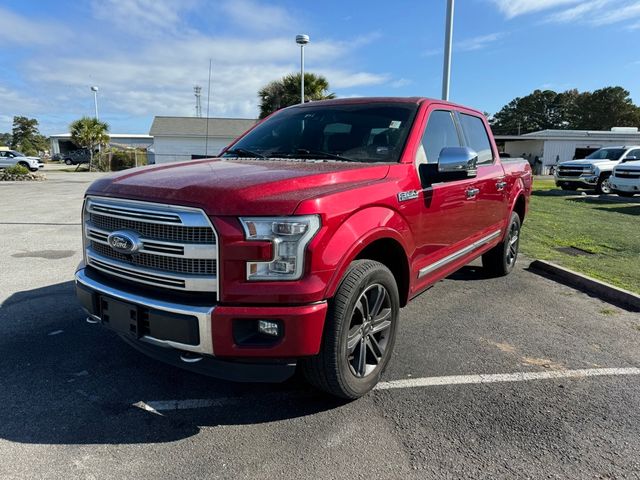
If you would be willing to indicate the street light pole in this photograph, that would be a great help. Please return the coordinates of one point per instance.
(94, 89)
(302, 40)
(448, 37)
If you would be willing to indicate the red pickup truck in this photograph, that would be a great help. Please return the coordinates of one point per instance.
(300, 244)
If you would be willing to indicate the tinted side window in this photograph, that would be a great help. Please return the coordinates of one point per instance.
(441, 132)
(634, 153)
(477, 137)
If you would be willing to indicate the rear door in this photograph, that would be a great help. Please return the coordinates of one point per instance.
(491, 183)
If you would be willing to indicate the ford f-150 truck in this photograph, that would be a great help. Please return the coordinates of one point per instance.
(302, 242)
(594, 171)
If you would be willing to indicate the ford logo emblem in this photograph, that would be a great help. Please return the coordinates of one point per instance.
(124, 241)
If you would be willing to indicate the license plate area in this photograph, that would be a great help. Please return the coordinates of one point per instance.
(120, 316)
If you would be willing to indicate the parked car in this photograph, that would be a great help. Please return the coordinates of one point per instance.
(9, 158)
(625, 180)
(594, 171)
(75, 157)
(302, 242)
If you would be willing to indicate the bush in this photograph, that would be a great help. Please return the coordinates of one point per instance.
(17, 170)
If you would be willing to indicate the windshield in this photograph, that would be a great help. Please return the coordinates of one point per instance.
(607, 153)
(358, 133)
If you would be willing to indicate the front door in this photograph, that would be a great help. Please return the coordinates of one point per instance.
(447, 208)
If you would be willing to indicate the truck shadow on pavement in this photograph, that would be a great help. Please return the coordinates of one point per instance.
(64, 381)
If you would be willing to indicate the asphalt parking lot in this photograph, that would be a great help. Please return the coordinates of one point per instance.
(79, 403)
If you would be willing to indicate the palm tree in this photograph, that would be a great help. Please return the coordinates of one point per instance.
(286, 92)
(89, 132)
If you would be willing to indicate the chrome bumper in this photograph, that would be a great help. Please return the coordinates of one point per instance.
(590, 180)
(203, 314)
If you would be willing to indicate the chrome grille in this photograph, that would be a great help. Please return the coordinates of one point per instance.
(627, 173)
(174, 233)
(572, 171)
(177, 245)
(195, 266)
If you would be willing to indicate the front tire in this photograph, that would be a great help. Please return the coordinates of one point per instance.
(359, 334)
(603, 187)
(500, 260)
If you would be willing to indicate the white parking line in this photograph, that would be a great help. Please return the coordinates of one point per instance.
(158, 406)
(504, 377)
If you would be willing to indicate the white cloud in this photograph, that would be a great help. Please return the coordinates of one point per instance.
(22, 31)
(620, 14)
(151, 69)
(248, 13)
(142, 17)
(514, 8)
(401, 82)
(469, 44)
(478, 43)
(578, 12)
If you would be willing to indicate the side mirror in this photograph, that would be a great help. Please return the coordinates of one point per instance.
(458, 162)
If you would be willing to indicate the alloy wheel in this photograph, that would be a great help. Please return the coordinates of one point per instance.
(369, 330)
(513, 240)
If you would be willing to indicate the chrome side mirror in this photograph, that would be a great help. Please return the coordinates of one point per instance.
(460, 161)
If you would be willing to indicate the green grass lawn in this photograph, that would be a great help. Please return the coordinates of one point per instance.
(608, 227)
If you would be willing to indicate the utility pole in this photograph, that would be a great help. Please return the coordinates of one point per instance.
(302, 40)
(94, 89)
(448, 37)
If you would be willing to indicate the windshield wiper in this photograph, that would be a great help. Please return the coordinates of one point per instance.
(244, 151)
(319, 154)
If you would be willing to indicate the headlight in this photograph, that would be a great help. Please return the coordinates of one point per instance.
(289, 235)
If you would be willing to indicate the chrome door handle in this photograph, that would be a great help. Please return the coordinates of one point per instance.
(501, 185)
(472, 192)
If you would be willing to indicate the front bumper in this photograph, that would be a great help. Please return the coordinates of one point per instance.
(586, 180)
(161, 328)
(629, 185)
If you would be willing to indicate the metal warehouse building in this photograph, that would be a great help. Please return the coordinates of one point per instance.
(187, 138)
(550, 147)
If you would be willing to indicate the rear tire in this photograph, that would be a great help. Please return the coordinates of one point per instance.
(500, 260)
(359, 333)
(68, 161)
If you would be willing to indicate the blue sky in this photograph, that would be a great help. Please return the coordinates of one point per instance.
(146, 55)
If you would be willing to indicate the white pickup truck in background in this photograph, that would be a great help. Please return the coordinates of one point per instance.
(625, 180)
(594, 171)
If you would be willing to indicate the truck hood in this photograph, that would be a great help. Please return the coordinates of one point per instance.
(633, 165)
(586, 162)
(238, 186)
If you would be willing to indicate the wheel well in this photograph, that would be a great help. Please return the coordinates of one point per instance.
(391, 254)
(520, 207)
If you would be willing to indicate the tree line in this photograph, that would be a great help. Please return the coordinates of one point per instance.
(569, 110)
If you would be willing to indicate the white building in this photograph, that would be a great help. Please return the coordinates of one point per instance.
(554, 146)
(62, 143)
(187, 138)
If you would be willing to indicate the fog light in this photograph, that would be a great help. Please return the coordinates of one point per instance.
(269, 328)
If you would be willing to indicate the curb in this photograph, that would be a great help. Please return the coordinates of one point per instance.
(618, 296)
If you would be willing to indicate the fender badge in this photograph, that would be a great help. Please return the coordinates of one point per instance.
(410, 195)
